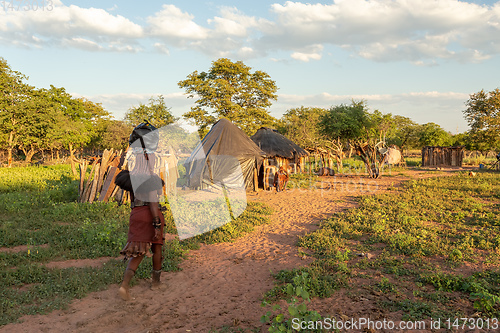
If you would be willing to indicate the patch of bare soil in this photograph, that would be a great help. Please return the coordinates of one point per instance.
(77, 263)
(223, 284)
(22, 248)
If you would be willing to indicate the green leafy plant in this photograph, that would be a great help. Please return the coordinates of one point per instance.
(484, 301)
(297, 312)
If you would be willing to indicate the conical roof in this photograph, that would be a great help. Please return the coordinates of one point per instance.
(224, 140)
(275, 144)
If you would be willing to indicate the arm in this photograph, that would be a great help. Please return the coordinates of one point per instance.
(154, 208)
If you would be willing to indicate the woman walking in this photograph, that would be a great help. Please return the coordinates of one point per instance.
(145, 234)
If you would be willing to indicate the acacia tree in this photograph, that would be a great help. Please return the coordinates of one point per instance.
(76, 119)
(360, 129)
(40, 123)
(156, 112)
(111, 133)
(302, 125)
(13, 93)
(483, 117)
(431, 134)
(229, 90)
(406, 133)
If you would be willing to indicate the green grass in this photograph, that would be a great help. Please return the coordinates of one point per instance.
(436, 244)
(38, 210)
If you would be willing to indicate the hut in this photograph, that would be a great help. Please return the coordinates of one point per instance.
(442, 156)
(279, 151)
(213, 158)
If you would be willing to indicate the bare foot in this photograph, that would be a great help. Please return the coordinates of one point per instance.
(124, 293)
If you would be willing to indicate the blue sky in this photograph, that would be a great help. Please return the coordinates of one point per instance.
(417, 58)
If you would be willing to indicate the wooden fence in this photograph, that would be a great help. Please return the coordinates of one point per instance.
(442, 156)
(100, 185)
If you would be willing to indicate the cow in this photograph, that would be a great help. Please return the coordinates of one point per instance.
(280, 179)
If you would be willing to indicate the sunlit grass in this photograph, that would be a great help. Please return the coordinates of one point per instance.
(38, 210)
(433, 246)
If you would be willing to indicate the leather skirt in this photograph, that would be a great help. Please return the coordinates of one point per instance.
(141, 233)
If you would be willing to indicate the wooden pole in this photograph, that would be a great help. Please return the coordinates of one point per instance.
(255, 180)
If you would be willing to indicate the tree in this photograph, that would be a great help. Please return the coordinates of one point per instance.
(360, 129)
(40, 122)
(13, 92)
(483, 116)
(229, 90)
(156, 112)
(432, 134)
(77, 119)
(301, 125)
(406, 133)
(112, 134)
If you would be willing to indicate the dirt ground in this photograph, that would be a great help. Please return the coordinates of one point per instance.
(222, 285)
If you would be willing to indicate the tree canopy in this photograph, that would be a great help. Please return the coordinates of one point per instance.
(156, 112)
(34, 119)
(432, 134)
(301, 125)
(230, 90)
(361, 129)
(483, 117)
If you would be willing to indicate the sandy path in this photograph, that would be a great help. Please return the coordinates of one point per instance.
(219, 285)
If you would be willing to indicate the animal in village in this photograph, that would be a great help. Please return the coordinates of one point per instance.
(280, 179)
(38, 163)
(326, 172)
(269, 173)
(472, 174)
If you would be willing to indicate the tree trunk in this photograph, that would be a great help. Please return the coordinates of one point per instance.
(368, 156)
(29, 153)
(9, 149)
(9, 157)
(72, 159)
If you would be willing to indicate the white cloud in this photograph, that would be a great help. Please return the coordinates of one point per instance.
(422, 32)
(234, 23)
(84, 28)
(118, 104)
(390, 30)
(443, 108)
(162, 48)
(81, 43)
(312, 52)
(172, 23)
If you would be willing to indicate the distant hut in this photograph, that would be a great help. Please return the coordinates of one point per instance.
(442, 156)
(280, 151)
(210, 162)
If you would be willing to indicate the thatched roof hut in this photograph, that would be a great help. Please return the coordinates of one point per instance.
(276, 145)
(279, 151)
(210, 160)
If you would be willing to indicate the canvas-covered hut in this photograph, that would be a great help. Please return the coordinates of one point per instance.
(213, 158)
(442, 156)
(280, 151)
